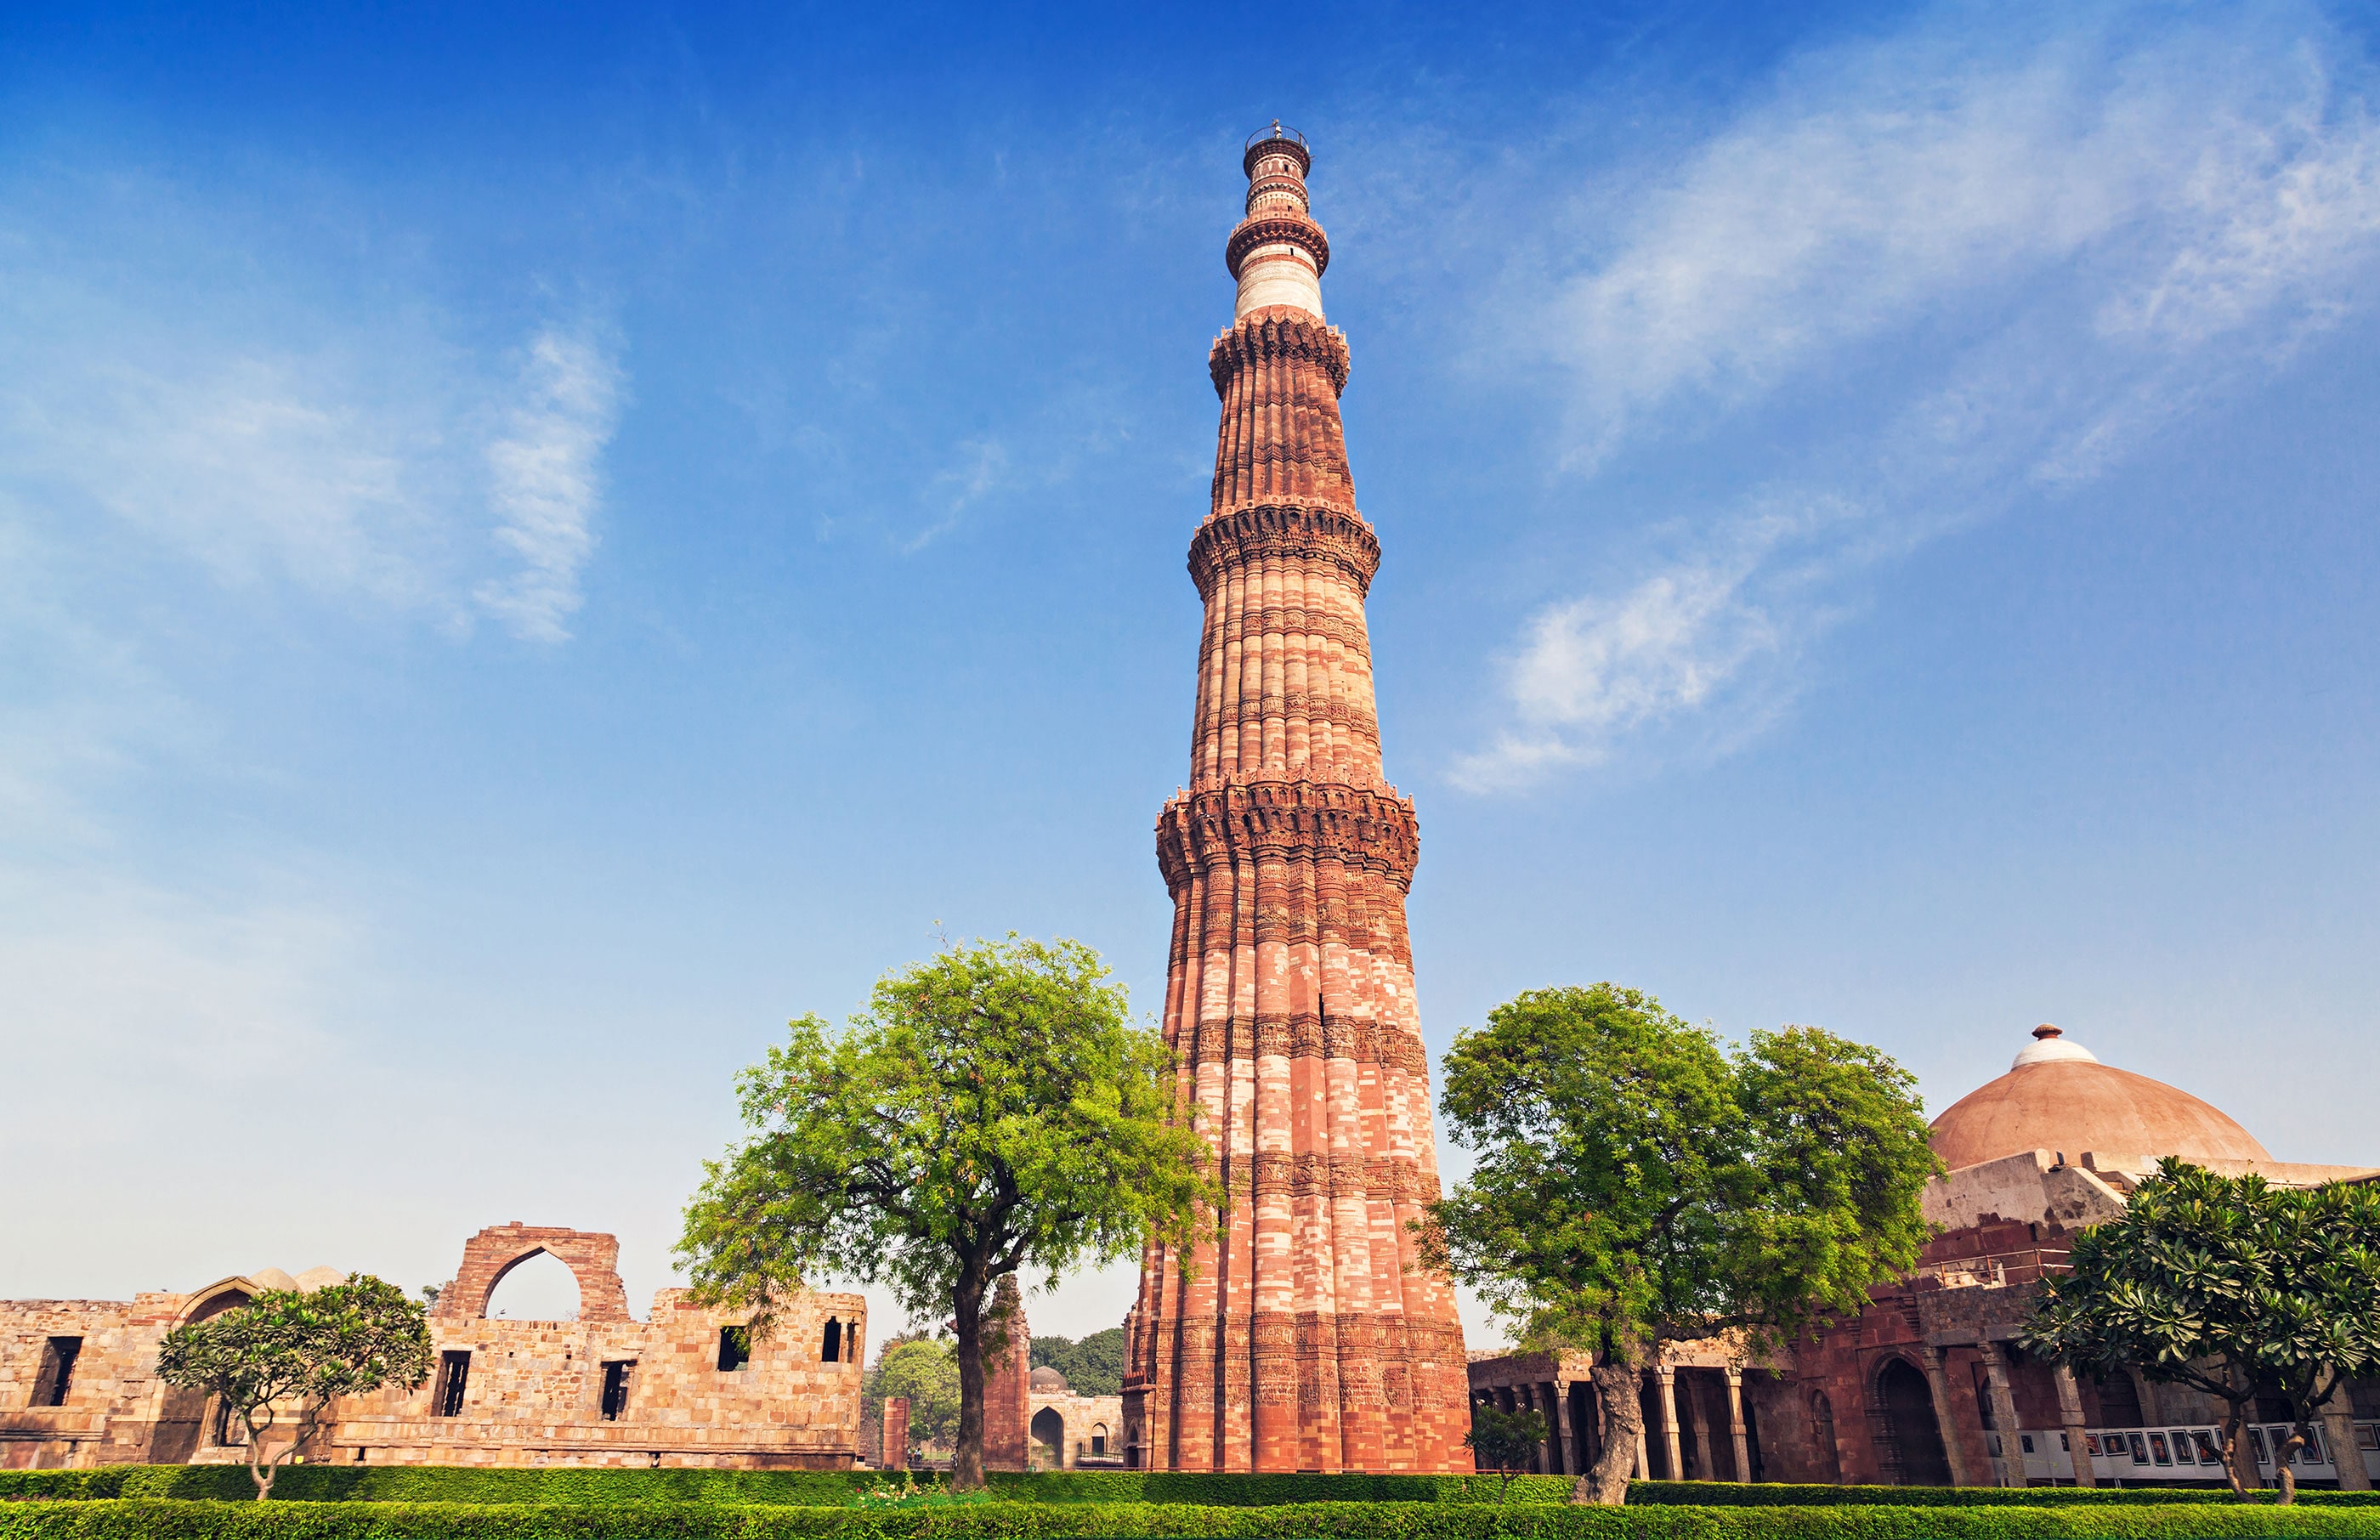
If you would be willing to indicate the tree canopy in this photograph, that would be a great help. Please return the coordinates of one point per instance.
(301, 1350)
(925, 1371)
(1093, 1367)
(1639, 1183)
(2230, 1286)
(994, 1110)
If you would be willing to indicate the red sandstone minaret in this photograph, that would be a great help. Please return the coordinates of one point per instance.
(1308, 1341)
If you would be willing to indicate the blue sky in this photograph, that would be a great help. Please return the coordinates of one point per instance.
(535, 545)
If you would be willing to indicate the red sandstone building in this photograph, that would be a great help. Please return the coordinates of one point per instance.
(1308, 1341)
(1927, 1387)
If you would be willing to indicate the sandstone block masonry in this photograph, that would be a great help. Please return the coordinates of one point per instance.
(686, 1387)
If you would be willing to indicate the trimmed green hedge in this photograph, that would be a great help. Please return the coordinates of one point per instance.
(146, 1519)
(610, 1484)
(457, 1483)
(521, 1484)
(1721, 1494)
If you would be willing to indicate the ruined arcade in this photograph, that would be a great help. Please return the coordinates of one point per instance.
(684, 1387)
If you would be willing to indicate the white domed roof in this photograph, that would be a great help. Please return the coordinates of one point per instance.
(2048, 1046)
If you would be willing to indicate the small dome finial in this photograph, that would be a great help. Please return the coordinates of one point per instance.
(2049, 1046)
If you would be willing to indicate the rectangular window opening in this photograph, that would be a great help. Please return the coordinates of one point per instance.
(616, 1388)
(735, 1347)
(2182, 1455)
(830, 1350)
(2157, 1448)
(56, 1376)
(454, 1374)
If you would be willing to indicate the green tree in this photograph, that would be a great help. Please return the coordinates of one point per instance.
(1504, 1442)
(925, 1371)
(1093, 1367)
(2232, 1286)
(994, 1110)
(299, 1351)
(1639, 1184)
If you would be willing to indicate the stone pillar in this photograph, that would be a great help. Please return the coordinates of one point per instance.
(1007, 1383)
(1668, 1403)
(2339, 1430)
(1310, 1337)
(1698, 1418)
(2069, 1415)
(894, 1453)
(1938, 1385)
(2011, 1460)
(1565, 1439)
(1529, 1402)
(1735, 1433)
(2151, 1415)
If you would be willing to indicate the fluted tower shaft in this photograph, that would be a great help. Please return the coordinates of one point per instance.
(1307, 1339)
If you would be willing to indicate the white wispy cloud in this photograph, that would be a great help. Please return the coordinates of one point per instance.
(180, 380)
(547, 471)
(2026, 263)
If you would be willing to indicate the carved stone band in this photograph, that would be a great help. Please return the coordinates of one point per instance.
(1277, 230)
(1279, 334)
(1287, 820)
(1338, 537)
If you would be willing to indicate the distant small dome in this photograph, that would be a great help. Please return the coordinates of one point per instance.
(1047, 1378)
(319, 1278)
(2058, 1096)
(272, 1277)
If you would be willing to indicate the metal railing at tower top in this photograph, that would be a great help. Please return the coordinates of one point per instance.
(1266, 135)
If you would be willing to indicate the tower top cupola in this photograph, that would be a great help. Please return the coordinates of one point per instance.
(1277, 253)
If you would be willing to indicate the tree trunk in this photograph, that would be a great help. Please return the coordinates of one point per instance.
(2239, 1463)
(260, 1469)
(1618, 1387)
(2281, 1460)
(966, 1463)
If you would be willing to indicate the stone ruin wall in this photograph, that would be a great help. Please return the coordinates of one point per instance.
(533, 1393)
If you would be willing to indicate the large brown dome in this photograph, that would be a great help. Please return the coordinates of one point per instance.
(2058, 1097)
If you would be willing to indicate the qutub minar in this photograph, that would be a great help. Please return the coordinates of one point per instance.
(1308, 1339)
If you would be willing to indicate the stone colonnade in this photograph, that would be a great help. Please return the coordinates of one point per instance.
(1695, 1426)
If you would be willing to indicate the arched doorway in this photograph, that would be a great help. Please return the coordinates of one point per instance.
(1822, 1432)
(1913, 1454)
(182, 1415)
(1050, 1432)
(536, 1286)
